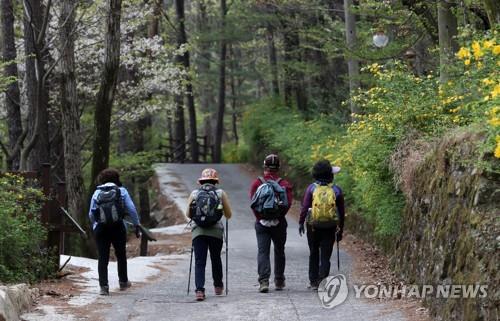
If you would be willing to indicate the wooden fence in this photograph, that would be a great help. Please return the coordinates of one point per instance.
(180, 151)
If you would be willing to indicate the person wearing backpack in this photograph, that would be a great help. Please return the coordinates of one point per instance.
(108, 207)
(206, 206)
(323, 212)
(271, 199)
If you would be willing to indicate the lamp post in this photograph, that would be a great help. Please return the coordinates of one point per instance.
(380, 39)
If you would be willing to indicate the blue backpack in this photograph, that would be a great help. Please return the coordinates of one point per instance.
(270, 200)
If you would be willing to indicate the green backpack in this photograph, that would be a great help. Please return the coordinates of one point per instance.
(324, 208)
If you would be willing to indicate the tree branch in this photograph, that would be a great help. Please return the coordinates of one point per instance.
(45, 23)
(165, 15)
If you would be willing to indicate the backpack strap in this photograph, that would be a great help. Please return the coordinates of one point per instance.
(263, 181)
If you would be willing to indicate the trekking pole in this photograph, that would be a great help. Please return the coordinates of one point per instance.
(227, 253)
(338, 251)
(190, 265)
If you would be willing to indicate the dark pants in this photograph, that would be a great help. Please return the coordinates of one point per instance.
(202, 244)
(276, 234)
(320, 251)
(105, 236)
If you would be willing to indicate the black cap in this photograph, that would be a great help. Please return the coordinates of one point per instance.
(272, 161)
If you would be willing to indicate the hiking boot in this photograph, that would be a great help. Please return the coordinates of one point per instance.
(104, 290)
(264, 286)
(279, 284)
(200, 295)
(219, 290)
(125, 285)
(313, 286)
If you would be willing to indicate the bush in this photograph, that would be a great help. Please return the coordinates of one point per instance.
(269, 126)
(232, 153)
(21, 232)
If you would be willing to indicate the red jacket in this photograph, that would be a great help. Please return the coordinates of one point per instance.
(274, 177)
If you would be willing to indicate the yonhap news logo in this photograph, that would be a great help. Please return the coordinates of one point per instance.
(334, 291)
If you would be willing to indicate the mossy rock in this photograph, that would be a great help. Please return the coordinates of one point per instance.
(452, 215)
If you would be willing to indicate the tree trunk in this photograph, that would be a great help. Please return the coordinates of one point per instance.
(142, 126)
(144, 204)
(234, 95)
(170, 129)
(179, 133)
(273, 60)
(107, 89)
(447, 23)
(35, 23)
(294, 79)
(12, 94)
(205, 86)
(493, 11)
(289, 77)
(222, 87)
(70, 114)
(352, 63)
(185, 60)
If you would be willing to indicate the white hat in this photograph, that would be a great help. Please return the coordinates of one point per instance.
(335, 169)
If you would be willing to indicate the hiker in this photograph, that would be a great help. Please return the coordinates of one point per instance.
(271, 199)
(206, 205)
(323, 211)
(108, 207)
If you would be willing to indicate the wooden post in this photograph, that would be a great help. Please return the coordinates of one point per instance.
(144, 245)
(49, 215)
(61, 199)
(45, 182)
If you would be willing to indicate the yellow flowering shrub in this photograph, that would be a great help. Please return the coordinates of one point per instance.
(481, 85)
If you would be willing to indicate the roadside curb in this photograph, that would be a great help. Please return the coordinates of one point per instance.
(14, 300)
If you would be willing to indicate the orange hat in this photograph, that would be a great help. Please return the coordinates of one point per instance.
(209, 174)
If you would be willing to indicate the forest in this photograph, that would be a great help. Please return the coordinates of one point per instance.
(91, 84)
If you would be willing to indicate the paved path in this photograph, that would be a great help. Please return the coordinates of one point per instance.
(166, 298)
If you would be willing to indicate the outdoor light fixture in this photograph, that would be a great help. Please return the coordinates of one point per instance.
(410, 54)
(380, 39)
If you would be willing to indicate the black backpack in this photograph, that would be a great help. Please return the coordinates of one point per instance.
(110, 208)
(206, 208)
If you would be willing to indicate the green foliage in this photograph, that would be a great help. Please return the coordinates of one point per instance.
(232, 153)
(397, 103)
(136, 166)
(21, 233)
(268, 126)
